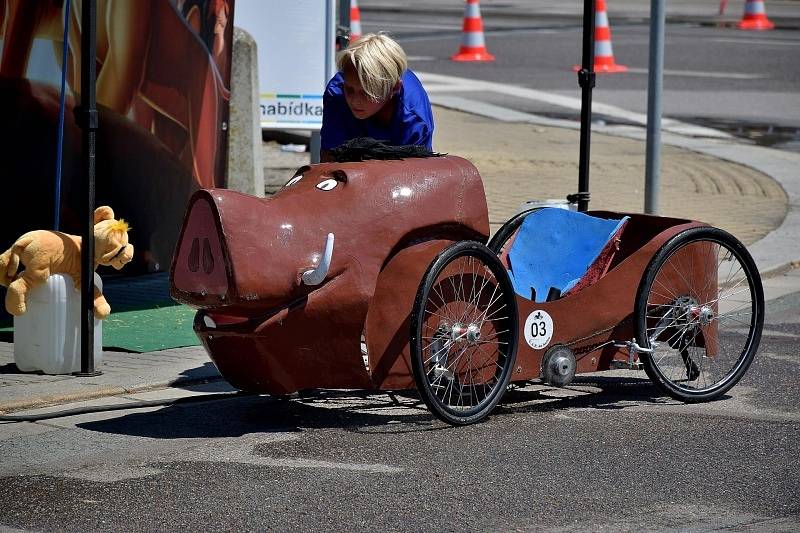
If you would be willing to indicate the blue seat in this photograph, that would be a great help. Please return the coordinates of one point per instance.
(555, 248)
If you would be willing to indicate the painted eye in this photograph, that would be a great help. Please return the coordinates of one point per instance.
(298, 175)
(327, 185)
(293, 180)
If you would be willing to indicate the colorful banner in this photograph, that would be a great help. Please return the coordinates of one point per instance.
(163, 79)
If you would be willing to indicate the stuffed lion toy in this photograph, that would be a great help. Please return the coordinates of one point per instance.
(44, 252)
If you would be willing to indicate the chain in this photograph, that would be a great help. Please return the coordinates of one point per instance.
(592, 347)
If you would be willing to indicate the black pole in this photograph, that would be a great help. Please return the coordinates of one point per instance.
(343, 26)
(344, 13)
(586, 79)
(87, 119)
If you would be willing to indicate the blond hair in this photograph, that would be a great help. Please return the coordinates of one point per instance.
(379, 62)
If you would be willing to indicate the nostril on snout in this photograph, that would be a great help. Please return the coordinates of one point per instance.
(194, 256)
(208, 257)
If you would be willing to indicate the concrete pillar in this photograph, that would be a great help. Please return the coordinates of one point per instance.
(245, 168)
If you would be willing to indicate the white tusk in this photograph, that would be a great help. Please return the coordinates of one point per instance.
(316, 275)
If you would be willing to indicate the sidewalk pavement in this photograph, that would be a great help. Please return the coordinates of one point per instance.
(747, 190)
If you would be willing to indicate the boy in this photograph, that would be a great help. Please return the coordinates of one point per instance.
(375, 95)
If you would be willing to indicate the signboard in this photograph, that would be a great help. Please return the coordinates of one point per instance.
(163, 83)
(296, 47)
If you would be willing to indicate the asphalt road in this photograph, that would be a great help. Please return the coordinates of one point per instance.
(746, 83)
(605, 453)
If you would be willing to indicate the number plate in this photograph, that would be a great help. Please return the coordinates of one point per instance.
(538, 329)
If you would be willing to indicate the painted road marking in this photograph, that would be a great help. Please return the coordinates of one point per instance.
(289, 462)
(757, 41)
(423, 26)
(464, 84)
(701, 74)
(444, 88)
(494, 32)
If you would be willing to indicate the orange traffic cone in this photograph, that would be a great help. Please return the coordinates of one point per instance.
(755, 17)
(603, 54)
(473, 47)
(355, 21)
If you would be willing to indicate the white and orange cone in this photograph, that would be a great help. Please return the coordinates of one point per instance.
(755, 17)
(603, 53)
(473, 46)
(355, 21)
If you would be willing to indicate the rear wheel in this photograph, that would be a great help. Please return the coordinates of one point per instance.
(499, 240)
(700, 309)
(463, 333)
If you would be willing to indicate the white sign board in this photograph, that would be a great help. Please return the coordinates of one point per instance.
(296, 47)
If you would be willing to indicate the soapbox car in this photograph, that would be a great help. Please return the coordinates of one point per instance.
(381, 275)
(397, 254)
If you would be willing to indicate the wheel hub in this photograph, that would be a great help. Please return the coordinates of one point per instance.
(469, 333)
(558, 366)
(473, 333)
(705, 315)
(689, 308)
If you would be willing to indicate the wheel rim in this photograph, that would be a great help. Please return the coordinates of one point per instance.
(701, 315)
(465, 337)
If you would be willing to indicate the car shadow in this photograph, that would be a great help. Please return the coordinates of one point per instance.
(607, 393)
(235, 415)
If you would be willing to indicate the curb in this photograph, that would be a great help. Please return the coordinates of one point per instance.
(60, 399)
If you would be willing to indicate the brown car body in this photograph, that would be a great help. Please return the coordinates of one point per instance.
(240, 261)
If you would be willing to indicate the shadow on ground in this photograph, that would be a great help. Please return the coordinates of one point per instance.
(400, 412)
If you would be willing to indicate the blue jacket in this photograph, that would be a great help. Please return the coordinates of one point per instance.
(412, 120)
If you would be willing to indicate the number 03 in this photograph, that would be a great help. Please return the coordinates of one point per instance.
(538, 329)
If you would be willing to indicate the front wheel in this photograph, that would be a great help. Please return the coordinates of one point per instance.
(700, 309)
(463, 333)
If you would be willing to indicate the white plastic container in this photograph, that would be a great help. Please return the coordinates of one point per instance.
(560, 204)
(47, 337)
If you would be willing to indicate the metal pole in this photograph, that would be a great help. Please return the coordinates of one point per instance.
(60, 147)
(331, 42)
(586, 79)
(654, 88)
(314, 147)
(87, 116)
(344, 13)
(343, 25)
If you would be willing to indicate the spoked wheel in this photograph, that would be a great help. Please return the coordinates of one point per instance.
(700, 309)
(463, 333)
